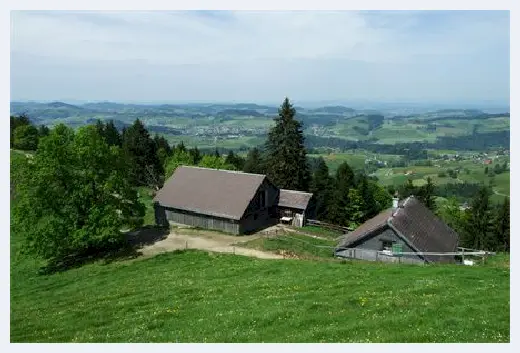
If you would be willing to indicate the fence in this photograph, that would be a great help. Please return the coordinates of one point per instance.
(375, 255)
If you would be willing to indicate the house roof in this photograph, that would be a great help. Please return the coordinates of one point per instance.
(214, 192)
(413, 221)
(294, 199)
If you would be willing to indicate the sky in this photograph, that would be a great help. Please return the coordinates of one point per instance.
(261, 57)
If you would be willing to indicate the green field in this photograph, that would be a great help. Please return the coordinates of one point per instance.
(194, 296)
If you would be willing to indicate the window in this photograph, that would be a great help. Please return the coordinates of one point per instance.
(386, 245)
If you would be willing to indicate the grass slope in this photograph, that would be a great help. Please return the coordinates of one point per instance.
(198, 297)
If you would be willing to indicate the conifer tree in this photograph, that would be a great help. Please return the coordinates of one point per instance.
(111, 134)
(286, 160)
(477, 230)
(144, 166)
(321, 187)
(195, 153)
(426, 194)
(502, 226)
(254, 162)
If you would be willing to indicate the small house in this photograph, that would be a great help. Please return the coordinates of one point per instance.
(408, 230)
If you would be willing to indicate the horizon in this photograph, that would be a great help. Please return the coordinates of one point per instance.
(449, 58)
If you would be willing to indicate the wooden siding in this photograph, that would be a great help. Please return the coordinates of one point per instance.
(202, 221)
(258, 216)
(375, 243)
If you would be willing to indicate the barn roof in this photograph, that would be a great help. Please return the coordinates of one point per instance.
(413, 221)
(294, 199)
(214, 192)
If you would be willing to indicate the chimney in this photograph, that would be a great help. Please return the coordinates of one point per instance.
(395, 201)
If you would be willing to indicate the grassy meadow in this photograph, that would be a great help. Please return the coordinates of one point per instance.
(193, 296)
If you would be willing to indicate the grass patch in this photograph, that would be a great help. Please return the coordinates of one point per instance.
(198, 297)
(319, 231)
(146, 198)
(296, 245)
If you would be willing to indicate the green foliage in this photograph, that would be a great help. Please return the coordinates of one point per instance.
(478, 226)
(452, 215)
(25, 137)
(215, 162)
(321, 187)
(355, 208)
(286, 161)
(17, 121)
(426, 194)
(73, 196)
(235, 160)
(43, 131)
(179, 157)
(140, 151)
(501, 226)
(254, 162)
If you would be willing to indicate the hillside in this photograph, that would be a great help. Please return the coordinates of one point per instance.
(194, 296)
(244, 125)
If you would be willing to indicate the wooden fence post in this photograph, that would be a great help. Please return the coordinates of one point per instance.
(186, 245)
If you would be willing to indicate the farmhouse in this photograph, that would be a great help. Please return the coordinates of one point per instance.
(409, 228)
(230, 201)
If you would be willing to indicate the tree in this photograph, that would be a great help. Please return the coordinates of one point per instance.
(254, 162)
(216, 154)
(368, 205)
(144, 166)
(286, 161)
(408, 189)
(426, 194)
(477, 230)
(382, 197)
(112, 135)
(161, 142)
(74, 197)
(178, 158)
(338, 211)
(215, 162)
(17, 121)
(43, 131)
(235, 160)
(321, 187)
(355, 208)
(452, 215)
(25, 137)
(195, 153)
(502, 226)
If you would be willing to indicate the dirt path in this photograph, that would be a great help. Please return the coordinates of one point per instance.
(210, 241)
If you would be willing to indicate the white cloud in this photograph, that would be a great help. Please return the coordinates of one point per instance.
(256, 48)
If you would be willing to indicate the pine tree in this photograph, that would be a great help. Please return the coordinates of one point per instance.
(477, 230)
(254, 162)
(195, 153)
(338, 212)
(321, 187)
(111, 135)
(43, 131)
(369, 205)
(502, 226)
(235, 160)
(286, 160)
(144, 166)
(426, 194)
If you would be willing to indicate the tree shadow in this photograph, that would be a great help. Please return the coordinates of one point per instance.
(126, 250)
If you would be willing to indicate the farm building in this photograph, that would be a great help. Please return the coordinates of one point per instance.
(409, 228)
(294, 204)
(230, 201)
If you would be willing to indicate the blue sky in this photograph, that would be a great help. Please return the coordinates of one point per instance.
(391, 56)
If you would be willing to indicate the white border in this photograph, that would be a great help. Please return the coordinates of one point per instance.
(258, 5)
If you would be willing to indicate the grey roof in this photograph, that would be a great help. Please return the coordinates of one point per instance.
(294, 199)
(214, 192)
(416, 223)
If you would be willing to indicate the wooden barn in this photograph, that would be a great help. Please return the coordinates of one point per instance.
(410, 227)
(295, 207)
(230, 201)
